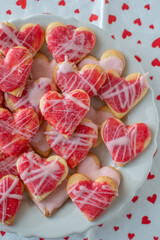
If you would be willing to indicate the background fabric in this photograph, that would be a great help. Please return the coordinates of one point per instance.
(136, 24)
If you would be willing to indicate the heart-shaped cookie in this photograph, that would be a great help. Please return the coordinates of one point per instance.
(122, 94)
(68, 78)
(54, 201)
(39, 142)
(30, 36)
(14, 70)
(124, 142)
(42, 67)
(11, 194)
(74, 149)
(65, 112)
(41, 176)
(91, 197)
(31, 95)
(17, 130)
(110, 60)
(91, 168)
(67, 40)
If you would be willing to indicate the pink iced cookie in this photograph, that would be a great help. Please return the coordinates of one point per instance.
(90, 78)
(54, 201)
(39, 143)
(124, 142)
(31, 95)
(67, 40)
(74, 149)
(42, 67)
(65, 112)
(14, 70)
(122, 94)
(90, 167)
(30, 36)
(110, 60)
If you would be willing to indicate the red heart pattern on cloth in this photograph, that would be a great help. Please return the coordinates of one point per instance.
(30, 36)
(90, 78)
(138, 21)
(155, 62)
(65, 112)
(74, 149)
(156, 43)
(121, 94)
(11, 194)
(145, 220)
(63, 40)
(14, 70)
(124, 142)
(125, 6)
(41, 176)
(111, 19)
(17, 130)
(22, 3)
(93, 17)
(31, 95)
(91, 197)
(152, 198)
(126, 33)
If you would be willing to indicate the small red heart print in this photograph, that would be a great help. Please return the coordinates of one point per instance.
(155, 238)
(77, 11)
(85, 239)
(137, 58)
(2, 233)
(145, 220)
(116, 228)
(125, 6)
(62, 3)
(156, 43)
(151, 77)
(138, 21)
(134, 199)
(9, 12)
(155, 153)
(126, 33)
(100, 225)
(93, 17)
(139, 42)
(106, 1)
(111, 19)
(22, 3)
(129, 216)
(147, 6)
(66, 238)
(151, 26)
(131, 236)
(152, 198)
(112, 36)
(150, 176)
(155, 62)
(41, 239)
(158, 97)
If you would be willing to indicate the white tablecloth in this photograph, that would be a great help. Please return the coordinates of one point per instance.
(136, 24)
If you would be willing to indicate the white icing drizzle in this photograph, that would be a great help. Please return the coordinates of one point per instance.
(124, 92)
(110, 63)
(97, 199)
(65, 67)
(75, 100)
(38, 175)
(6, 192)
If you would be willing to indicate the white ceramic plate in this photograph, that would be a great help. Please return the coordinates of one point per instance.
(67, 220)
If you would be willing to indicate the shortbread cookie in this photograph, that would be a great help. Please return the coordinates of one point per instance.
(110, 60)
(92, 168)
(124, 142)
(31, 95)
(65, 112)
(42, 67)
(31, 36)
(122, 94)
(39, 142)
(54, 201)
(91, 197)
(14, 70)
(17, 130)
(74, 149)
(11, 195)
(41, 176)
(68, 78)
(67, 40)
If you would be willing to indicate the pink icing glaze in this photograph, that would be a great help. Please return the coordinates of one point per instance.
(42, 68)
(39, 141)
(98, 117)
(54, 200)
(89, 168)
(66, 67)
(110, 63)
